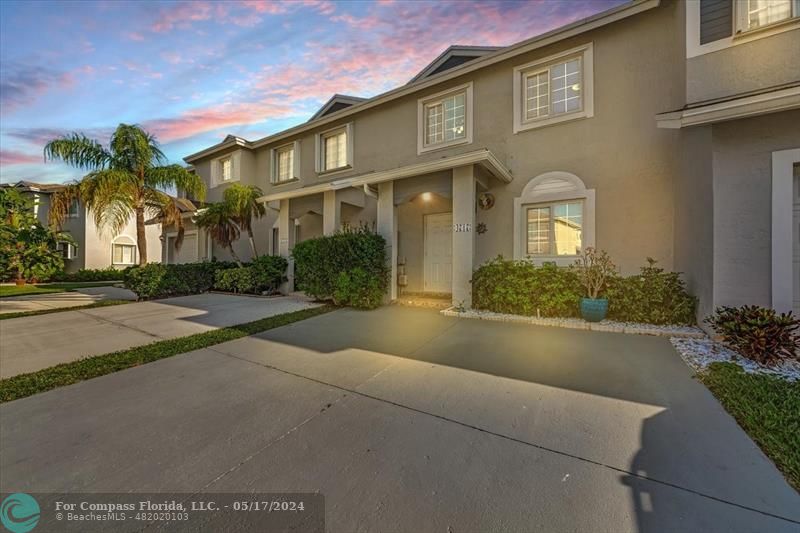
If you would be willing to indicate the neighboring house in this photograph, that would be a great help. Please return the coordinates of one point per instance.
(95, 247)
(656, 129)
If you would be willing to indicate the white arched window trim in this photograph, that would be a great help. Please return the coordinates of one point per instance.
(547, 188)
(126, 257)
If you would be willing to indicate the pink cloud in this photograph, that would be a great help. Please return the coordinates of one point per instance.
(12, 157)
(21, 84)
(135, 36)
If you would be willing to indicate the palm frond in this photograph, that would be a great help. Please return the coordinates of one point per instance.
(79, 151)
(176, 176)
(244, 205)
(217, 220)
(164, 208)
(61, 203)
(133, 150)
(111, 195)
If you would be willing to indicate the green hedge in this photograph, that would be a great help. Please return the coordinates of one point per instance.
(92, 274)
(158, 280)
(349, 267)
(518, 287)
(265, 274)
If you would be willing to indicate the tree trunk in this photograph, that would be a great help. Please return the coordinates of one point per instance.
(252, 243)
(141, 238)
(235, 257)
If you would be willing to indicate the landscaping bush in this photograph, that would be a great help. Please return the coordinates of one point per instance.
(320, 262)
(758, 333)
(158, 280)
(236, 280)
(269, 272)
(521, 288)
(654, 296)
(91, 274)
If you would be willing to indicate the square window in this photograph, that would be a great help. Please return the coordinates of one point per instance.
(444, 119)
(123, 254)
(555, 229)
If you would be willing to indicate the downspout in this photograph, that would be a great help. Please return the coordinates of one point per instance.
(369, 191)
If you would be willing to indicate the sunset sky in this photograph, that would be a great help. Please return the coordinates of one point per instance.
(192, 72)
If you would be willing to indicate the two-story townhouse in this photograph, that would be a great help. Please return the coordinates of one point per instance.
(94, 248)
(737, 198)
(533, 151)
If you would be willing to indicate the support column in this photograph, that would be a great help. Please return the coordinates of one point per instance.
(463, 234)
(286, 234)
(331, 213)
(387, 227)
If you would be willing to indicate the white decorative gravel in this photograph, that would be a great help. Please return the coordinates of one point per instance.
(578, 323)
(699, 353)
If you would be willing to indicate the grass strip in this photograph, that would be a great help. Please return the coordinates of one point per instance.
(7, 291)
(766, 407)
(24, 385)
(101, 303)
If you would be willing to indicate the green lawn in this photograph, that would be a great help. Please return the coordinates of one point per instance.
(767, 408)
(101, 303)
(13, 290)
(24, 385)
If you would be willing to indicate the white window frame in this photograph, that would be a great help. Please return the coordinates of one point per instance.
(71, 249)
(741, 17)
(551, 226)
(294, 172)
(123, 262)
(222, 162)
(552, 188)
(422, 137)
(586, 55)
(320, 149)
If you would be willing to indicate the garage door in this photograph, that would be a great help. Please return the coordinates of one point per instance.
(187, 252)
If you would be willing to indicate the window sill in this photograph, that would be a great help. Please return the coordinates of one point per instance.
(326, 173)
(284, 182)
(443, 146)
(784, 24)
(525, 126)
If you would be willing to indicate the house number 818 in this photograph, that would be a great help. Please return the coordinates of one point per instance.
(462, 228)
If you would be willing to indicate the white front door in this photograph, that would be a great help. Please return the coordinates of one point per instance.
(438, 253)
(796, 240)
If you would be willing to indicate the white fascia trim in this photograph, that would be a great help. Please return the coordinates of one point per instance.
(586, 53)
(468, 123)
(760, 104)
(694, 48)
(481, 157)
(540, 41)
(783, 163)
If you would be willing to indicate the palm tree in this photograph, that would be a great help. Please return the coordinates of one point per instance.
(218, 220)
(242, 201)
(124, 179)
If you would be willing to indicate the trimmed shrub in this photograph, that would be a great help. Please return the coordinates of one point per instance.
(654, 296)
(358, 288)
(158, 280)
(92, 274)
(269, 272)
(320, 262)
(758, 333)
(237, 280)
(520, 288)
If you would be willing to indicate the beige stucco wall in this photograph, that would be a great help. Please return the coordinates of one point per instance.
(96, 250)
(638, 72)
(766, 62)
(742, 161)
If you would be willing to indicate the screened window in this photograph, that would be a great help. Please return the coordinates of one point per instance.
(334, 148)
(445, 119)
(554, 90)
(226, 168)
(555, 229)
(123, 254)
(755, 14)
(284, 163)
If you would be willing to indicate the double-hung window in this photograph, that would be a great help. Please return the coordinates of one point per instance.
(555, 229)
(123, 254)
(335, 149)
(226, 169)
(757, 14)
(283, 166)
(445, 119)
(554, 89)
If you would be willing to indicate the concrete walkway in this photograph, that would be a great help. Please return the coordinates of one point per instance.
(31, 343)
(409, 421)
(62, 300)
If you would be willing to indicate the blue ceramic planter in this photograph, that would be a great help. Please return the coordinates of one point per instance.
(594, 309)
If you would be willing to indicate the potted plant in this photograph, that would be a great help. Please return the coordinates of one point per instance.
(594, 268)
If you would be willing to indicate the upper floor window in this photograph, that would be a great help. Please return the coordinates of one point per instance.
(226, 169)
(335, 149)
(554, 89)
(755, 14)
(445, 119)
(284, 163)
(74, 209)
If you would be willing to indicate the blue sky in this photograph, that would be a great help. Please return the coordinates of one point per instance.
(192, 72)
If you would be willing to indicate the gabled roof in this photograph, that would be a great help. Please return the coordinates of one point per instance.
(336, 103)
(454, 56)
(33, 186)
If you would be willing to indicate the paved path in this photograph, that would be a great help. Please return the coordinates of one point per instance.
(31, 343)
(409, 421)
(61, 300)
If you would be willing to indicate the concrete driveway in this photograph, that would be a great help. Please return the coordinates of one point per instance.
(61, 300)
(31, 343)
(409, 421)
